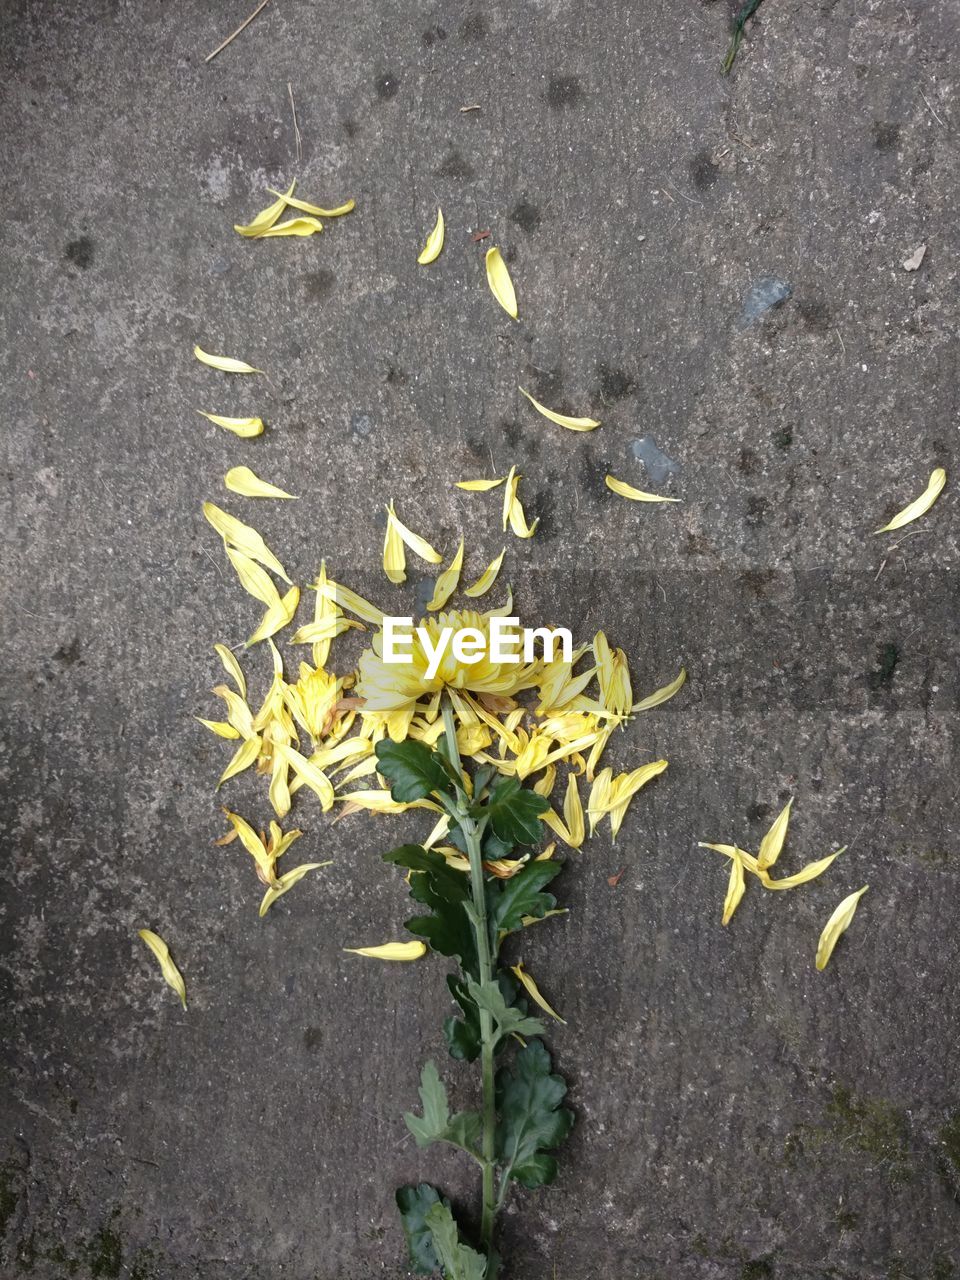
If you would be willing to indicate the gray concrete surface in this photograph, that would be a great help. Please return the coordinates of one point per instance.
(739, 1115)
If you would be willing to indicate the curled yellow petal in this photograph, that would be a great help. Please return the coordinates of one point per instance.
(479, 486)
(254, 580)
(809, 872)
(662, 695)
(419, 546)
(636, 495)
(837, 924)
(278, 616)
(501, 286)
(310, 775)
(242, 759)
(226, 364)
(533, 991)
(286, 882)
(219, 727)
(446, 583)
(245, 428)
(431, 250)
(733, 851)
(243, 537)
(935, 484)
(394, 556)
(573, 813)
(293, 227)
(266, 217)
(232, 667)
(487, 578)
(391, 951)
(735, 887)
(254, 846)
(347, 207)
(171, 973)
(243, 481)
(772, 842)
(561, 419)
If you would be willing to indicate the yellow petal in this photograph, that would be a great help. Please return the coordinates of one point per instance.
(246, 428)
(243, 481)
(446, 584)
(394, 556)
(501, 286)
(735, 888)
(533, 991)
(809, 872)
(243, 759)
(772, 842)
(392, 951)
(637, 495)
(286, 882)
(347, 207)
(661, 695)
(254, 580)
(479, 486)
(561, 419)
(350, 601)
(314, 778)
(509, 493)
(231, 666)
(431, 250)
(487, 578)
(243, 537)
(219, 727)
(938, 479)
(277, 617)
(293, 227)
(419, 546)
(238, 713)
(266, 217)
(732, 851)
(171, 973)
(225, 363)
(326, 629)
(837, 924)
(573, 812)
(518, 521)
(253, 845)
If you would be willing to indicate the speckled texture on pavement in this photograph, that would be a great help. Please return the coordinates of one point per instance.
(739, 1115)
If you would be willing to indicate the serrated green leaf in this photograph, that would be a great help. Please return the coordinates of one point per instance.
(509, 901)
(458, 1260)
(411, 768)
(453, 885)
(414, 1203)
(436, 1124)
(532, 1122)
(446, 891)
(514, 812)
(509, 1019)
(463, 1035)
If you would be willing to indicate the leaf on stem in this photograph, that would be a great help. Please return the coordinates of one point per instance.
(515, 812)
(532, 1121)
(414, 1203)
(461, 1130)
(411, 768)
(458, 1260)
(510, 1021)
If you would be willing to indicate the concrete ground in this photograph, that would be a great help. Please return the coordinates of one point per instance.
(739, 1115)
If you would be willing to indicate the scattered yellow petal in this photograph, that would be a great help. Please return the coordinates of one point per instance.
(501, 286)
(254, 846)
(837, 924)
(534, 991)
(772, 842)
(561, 419)
(286, 882)
(243, 759)
(487, 578)
(662, 695)
(293, 227)
(733, 851)
(392, 951)
(419, 546)
(809, 872)
(254, 580)
(314, 778)
(446, 583)
(219, 727)
(938, 479)
(394, 556)
(225, 363)
(431, 250)
(573, 813)
(231, 666)
(246, 428)
(637, 495)
(735, 888)
(171, 973)
(347, 207)
(243, 481)
(243, 537)
(266, 217)
(479, 486)
(350, 601)
(278, 616)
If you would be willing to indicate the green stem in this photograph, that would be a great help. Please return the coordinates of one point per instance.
(472, 837)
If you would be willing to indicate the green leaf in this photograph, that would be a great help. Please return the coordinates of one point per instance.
(411, 768)
(446, 891)
(509, 1019)
(532, 1121)
(458, 1260)
(514, 812)
(520, 896)
(413, 1203)
(436, 1124)
(463, 1035)
(451, 884)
